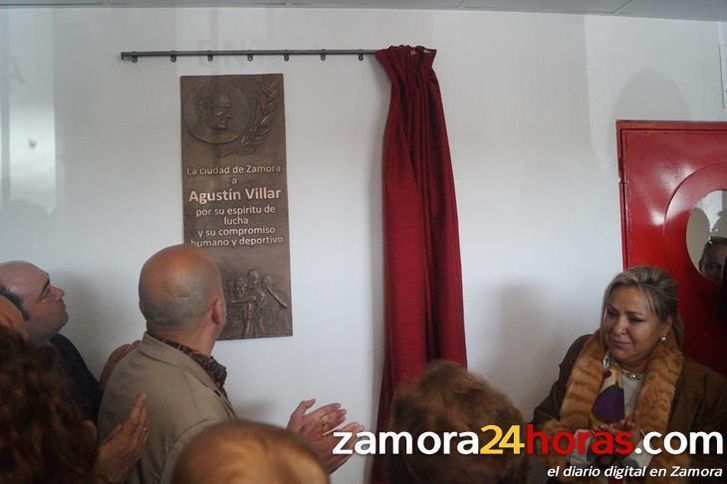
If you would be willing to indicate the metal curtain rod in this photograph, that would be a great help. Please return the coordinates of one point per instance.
(210, 54)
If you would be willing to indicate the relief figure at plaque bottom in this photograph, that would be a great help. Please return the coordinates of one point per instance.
(255, 307)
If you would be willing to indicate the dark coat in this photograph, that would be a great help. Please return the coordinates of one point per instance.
(84, 387)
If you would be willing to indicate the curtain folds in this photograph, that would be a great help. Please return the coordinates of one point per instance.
(422, 271)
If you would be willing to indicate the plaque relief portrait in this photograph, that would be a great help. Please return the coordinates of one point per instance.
(216, 112)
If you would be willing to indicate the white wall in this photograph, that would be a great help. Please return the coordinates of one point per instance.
(91, 181)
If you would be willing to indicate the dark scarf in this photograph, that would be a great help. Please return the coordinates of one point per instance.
(212, 367)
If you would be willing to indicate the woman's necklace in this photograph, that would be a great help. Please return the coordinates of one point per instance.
(632, 375)
(629, 374)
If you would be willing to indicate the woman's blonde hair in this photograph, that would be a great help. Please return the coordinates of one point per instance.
(660, 290)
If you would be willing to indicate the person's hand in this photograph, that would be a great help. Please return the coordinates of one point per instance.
(317, 422)
(326, 443)
(628, 424)
(317, 429)
(114, 358)
(122, 448)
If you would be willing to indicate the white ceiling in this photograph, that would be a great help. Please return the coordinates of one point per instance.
(715, 10)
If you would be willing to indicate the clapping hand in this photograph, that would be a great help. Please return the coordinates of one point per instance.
(317, 429)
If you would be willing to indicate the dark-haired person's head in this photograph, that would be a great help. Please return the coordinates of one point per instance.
(39, 300)
(447, 398)
(712, 262)
(248, 453)
(42, 434)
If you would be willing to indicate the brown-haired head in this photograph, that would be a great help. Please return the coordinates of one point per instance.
(447, 398)
(248, 453)
(42, 434)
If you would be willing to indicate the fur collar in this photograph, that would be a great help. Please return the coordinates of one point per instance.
(653, 405)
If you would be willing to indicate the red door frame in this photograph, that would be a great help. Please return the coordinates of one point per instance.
(665, 168)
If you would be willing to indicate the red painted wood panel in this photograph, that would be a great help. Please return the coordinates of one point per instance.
(665, 169)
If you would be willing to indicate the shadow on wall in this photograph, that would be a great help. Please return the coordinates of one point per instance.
(26, 230)
(377, 251)
(546, 189)
(533, 340)
(255, 410)
(532, 334)
(94, 323)
(656, 96)
(29, 233)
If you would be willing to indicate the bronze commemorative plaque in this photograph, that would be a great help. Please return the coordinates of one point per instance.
(235, 195)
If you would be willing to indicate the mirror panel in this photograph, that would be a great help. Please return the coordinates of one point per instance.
(707, 235)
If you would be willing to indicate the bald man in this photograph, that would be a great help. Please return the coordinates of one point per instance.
(182, 300)
(33, 308)
(248, 453)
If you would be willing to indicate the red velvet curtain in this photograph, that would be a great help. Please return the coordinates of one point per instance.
(422, 272)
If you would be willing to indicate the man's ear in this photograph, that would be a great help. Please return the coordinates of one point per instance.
(219, 312)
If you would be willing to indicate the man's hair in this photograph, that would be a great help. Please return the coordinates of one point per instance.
(248, 453)
(660, 290)
(15, 299)
(173, 294)
(12, 266)
(447, 398)
(42, 434)
(712, 243)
